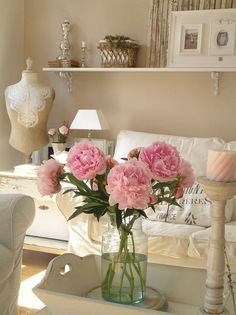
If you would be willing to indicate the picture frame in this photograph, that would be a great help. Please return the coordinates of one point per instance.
(202, 38)
(191, 39)
(222, 38)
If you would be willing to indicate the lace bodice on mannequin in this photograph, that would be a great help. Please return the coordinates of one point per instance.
(27, 99)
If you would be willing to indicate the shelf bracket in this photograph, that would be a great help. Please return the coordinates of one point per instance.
(216, 77)
(68, 77)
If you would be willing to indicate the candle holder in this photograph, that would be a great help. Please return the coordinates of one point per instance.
(65, 43)
(83, 56)
(218, 193)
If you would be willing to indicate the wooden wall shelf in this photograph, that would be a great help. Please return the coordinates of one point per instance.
(214, 72)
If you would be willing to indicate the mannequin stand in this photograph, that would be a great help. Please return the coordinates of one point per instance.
(218, 193)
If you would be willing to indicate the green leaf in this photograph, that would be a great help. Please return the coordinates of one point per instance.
(102, 190)
(76, 213)
(93, 210)
(98, 214)
(118, 218)
(98, 199)
(174, 202)
(67, 191)
(112, 209)
(128, 212)
(143, 213)
(91, 204)
(153, 207)
(78, 183)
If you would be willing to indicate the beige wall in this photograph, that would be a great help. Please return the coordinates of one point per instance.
(177, 103)
(181, 104)
(11, 63)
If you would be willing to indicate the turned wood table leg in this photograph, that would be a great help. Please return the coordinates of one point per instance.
(218, 193)
(216, 264)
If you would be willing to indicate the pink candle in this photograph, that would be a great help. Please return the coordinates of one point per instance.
(221, 165)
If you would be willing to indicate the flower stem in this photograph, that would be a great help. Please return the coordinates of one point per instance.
(123, 267)
(137, 268)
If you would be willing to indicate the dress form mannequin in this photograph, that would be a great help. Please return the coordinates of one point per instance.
(28, 106)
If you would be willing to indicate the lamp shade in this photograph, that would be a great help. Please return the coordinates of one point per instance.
(89, 119)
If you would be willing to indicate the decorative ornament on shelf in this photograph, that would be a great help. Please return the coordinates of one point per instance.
(65, 43)
(58, 137)
(147, 177)
(118, 51)
(64, 59)
(83, 54)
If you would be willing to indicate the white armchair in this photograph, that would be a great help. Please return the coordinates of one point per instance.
(16, 215)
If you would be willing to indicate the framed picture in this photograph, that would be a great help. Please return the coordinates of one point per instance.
(222, 38)
(191, 37)
(202, 38)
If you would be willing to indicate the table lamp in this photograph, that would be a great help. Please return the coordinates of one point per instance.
(89, 119)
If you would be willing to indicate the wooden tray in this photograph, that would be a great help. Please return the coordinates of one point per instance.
(65, 292)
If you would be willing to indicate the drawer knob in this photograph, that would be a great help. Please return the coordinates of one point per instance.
(43, 207)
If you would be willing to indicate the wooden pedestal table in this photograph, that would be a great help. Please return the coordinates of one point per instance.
(218, 193)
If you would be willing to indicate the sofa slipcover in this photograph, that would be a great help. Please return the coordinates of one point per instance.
(171, 238)
(16, 214)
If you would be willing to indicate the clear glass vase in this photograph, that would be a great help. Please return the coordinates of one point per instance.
(124, 261)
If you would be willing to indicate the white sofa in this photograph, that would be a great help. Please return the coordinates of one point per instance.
(16, 214)
(185, 232)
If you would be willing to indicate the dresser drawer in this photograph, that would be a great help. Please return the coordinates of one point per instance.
(48, 221)
(25, 186)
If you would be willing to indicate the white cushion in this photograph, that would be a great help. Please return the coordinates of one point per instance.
(195, 209)
(168, 239)
(163, 238)
(194, 150)
(199, 240)
(195, 205)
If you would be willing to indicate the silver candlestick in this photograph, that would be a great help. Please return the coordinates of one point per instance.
(65, 44)
(83, 54)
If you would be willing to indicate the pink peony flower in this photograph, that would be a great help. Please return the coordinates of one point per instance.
(110, 162)
(129, 185)
(134, 153)
(187, 177)
(52, 131)
(86, 161)
(64, 130)
(49, 175)
(162, 159)
(152, 199)
(95, 186)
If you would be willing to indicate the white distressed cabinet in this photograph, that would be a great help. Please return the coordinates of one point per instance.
(49, 223)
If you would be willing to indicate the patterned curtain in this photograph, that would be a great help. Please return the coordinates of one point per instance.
(158, 24)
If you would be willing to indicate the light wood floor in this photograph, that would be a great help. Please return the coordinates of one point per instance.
(33, 266)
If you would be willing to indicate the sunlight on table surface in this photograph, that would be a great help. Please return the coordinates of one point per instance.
(27, 298)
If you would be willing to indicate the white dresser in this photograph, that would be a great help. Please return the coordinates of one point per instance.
(49, 223)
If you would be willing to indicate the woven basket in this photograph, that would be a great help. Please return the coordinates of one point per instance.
(121, 54)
